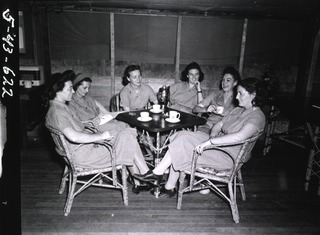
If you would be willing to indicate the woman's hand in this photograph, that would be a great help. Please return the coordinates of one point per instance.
(197, 83)
(199, 148)
(212, 109)
(92, 122)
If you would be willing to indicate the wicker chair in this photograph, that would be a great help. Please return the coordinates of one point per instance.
(208, 177)
(93, 177)
(115, 103)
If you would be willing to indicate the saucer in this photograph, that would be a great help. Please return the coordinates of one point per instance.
(152, 111)
(144, 120)
(173, 120)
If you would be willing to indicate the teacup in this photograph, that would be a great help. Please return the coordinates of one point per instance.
(219, 109)
(156, 108)
(144, 115)
(174, 115)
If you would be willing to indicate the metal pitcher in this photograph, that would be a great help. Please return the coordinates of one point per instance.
(164, 96)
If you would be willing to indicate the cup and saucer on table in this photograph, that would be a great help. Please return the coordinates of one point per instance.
(144, 117)
(156, 108)
(174, 117)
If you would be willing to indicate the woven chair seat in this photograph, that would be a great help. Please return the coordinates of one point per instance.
(93, 170)
(212, 171)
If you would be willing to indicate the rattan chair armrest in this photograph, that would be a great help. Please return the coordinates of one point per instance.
(91, 129)
(253, 138)
(216, 147)
(105, 143)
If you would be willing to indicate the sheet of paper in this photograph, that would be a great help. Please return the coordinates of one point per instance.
(105, 118)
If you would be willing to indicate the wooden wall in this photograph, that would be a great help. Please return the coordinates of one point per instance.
(81, 41)
(157, 75)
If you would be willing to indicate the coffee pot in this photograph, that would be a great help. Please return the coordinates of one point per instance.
(164, 96)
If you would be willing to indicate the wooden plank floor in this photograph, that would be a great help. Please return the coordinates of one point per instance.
(276, 202)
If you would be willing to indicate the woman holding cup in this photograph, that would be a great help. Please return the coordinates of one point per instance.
(218, 104)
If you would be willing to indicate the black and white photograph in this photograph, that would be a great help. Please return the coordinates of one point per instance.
(160, 117)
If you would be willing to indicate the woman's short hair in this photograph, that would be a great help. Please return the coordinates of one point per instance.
(236, 77)
(81, 77)
(255, 85)
(127, 71)
(55, 84)
(70, 73)
(185, 72)
(233, 72)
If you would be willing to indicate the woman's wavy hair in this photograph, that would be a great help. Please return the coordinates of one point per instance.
(71, 73)
(255, 85)
(236, 77)
(55, 84)
(233, 72)
(185, 72)
(127, 71)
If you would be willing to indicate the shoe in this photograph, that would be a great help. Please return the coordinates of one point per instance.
(165, 192)
(149, 177)
(204, 191)
(136, 189)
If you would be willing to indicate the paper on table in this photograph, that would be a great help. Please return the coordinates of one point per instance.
(105, 118)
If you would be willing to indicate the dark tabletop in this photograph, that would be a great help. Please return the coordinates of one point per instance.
(158, 122)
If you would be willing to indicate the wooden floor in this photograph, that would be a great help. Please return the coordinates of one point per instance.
(276, 202)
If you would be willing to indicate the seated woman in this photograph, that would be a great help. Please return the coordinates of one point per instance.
(90, 155)
(224, 98)
(185, 95)
(241, 123)
(90, 110)
(136, 94)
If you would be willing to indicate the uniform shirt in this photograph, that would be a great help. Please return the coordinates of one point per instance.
(240, 117)
(137, 100)
(86, 107)
(60, 117)
(182, 97)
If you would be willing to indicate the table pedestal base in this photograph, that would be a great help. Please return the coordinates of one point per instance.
(313, 168)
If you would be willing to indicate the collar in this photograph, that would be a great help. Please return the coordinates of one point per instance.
(57, 103)
(77, 98)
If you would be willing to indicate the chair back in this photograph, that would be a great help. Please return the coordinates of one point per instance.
(61, 146)
(115, 103)
(244, 154)
(208, 177)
